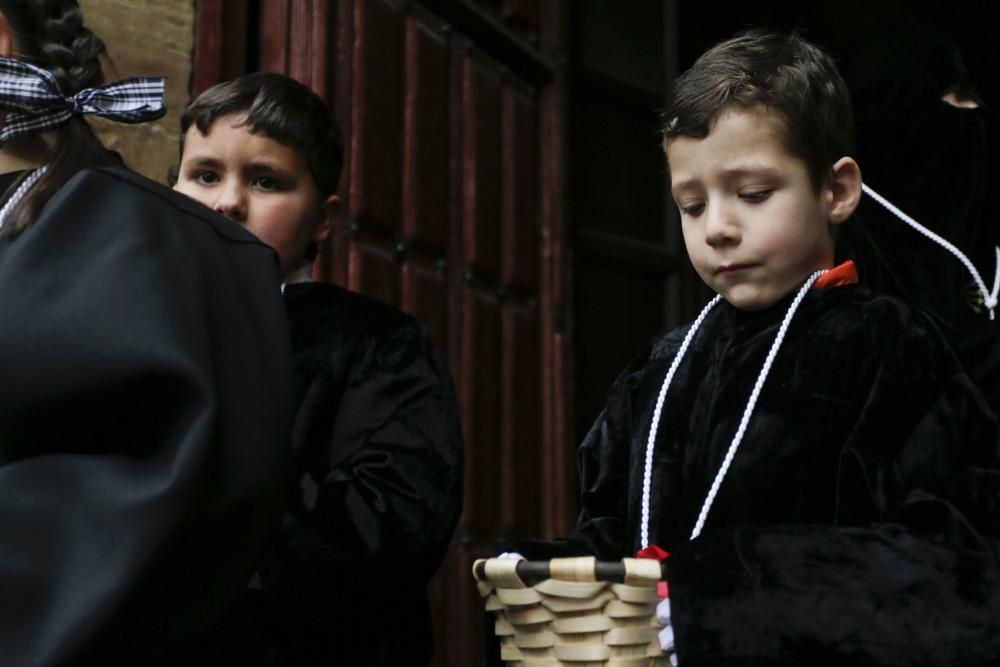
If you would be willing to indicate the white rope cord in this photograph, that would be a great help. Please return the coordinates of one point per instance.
(740, 431)
(22, 189)
(738, 438)
(648, 473)
(989, 298)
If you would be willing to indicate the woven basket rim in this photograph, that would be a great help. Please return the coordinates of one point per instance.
(582, 569)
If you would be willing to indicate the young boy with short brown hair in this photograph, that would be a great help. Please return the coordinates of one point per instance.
(377, 461)
(819, 467)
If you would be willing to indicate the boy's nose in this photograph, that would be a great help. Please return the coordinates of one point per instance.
(232, 203)
(720, 227)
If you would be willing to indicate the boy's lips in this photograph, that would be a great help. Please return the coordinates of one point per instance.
(733, 268)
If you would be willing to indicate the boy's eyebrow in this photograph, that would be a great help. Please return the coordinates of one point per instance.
(203, 161)
(262, 166)
(731, 174)
(751, 170)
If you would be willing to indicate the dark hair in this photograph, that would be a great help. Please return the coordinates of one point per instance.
(51, 34)
(782, 72)
(282, 109)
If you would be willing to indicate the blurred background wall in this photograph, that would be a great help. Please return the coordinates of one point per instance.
(147, 37)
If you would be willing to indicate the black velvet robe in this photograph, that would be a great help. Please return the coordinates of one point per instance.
(375, 492)
(144, 420)
(859, 522)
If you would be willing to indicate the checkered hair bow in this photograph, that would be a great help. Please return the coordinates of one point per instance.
(31, 97)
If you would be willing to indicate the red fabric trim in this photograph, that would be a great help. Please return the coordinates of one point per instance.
(656, 553)
(842, 274)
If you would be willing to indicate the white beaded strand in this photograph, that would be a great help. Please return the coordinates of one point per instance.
(989, 298)
(752, 403)
(22, 189)
(748, 411)
(648, 473)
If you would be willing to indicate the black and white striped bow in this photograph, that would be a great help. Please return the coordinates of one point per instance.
(31, 97)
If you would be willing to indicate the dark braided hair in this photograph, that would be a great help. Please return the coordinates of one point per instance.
(51, 34)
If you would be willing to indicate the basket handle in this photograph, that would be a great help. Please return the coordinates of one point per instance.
(632, 571)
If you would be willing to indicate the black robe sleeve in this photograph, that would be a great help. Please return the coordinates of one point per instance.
(377, 487)
(393, 493)
(144, 419)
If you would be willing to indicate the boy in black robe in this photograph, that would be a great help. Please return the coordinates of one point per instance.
(376, 486)
(846, 510)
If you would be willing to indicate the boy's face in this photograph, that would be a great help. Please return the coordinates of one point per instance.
(260, 183)
(753, 224)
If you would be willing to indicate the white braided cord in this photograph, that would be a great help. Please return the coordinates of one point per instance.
(647, 476)
(989, 298)
(22, 189)
(752, 403)
(740, 431)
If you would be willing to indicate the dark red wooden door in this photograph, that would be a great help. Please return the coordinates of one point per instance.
(453, 198)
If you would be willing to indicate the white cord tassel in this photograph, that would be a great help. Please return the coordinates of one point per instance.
(989, 298)
(22, 189)
(747, 412)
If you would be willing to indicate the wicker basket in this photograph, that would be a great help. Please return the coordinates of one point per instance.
(581, 612)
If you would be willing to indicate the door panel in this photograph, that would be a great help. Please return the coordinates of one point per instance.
(425, 136)
(520, 189)
(481, 89)
(423, 297)
(377, 117)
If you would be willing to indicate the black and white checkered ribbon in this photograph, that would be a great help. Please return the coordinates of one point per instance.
(31, 97)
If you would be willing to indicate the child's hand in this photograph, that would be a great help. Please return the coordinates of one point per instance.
(667, 633)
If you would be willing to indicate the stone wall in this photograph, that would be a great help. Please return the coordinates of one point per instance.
(146, 37)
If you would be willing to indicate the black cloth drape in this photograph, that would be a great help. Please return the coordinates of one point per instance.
(932, 160)
(144, 420)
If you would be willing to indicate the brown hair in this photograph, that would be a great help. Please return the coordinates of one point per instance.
(781, 72)
(281, 109)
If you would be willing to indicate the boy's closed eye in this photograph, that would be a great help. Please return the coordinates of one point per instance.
(756, 196)
(692, 210)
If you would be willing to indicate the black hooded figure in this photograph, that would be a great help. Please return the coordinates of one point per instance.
(922, 145)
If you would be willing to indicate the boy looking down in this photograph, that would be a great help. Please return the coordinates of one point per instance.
(818, 466)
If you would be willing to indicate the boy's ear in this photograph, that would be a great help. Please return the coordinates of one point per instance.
(328, 209)
(845, 189)
(6, 38)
